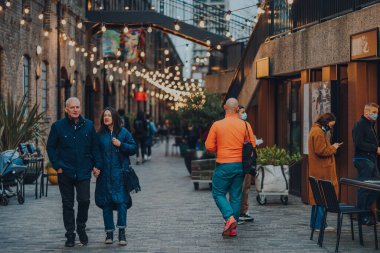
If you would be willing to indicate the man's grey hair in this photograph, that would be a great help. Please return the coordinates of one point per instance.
(72, 99)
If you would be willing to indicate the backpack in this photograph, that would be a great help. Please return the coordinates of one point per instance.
(140, 127)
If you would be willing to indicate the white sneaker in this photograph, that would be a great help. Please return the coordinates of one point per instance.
(329, 229)
(148, 158)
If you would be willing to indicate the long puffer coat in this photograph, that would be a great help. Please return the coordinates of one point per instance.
(110, 187)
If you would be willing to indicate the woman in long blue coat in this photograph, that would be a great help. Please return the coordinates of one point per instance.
(116, 145)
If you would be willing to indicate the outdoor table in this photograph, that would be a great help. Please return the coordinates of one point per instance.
(372, 184)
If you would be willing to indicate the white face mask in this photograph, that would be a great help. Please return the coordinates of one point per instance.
(244, 116)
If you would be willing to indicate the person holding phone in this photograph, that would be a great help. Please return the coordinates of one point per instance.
(321, 160)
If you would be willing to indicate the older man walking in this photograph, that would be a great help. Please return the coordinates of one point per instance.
(226, 138)
(73, 151)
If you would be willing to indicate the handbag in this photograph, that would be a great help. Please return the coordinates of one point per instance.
(131, 180)
(249, 155)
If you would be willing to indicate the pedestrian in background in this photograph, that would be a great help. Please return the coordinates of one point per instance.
(124, 120)
(151, 131)
(244, 214)
(116, 144)
(365, 159)
(226, 139)
(140, 131)
(72, 148)
(321, 160)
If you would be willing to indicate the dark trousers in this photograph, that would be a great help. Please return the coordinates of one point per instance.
(366, 169)
(140, 141)
(66, 187)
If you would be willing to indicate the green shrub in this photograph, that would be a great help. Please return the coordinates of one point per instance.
(276, 156)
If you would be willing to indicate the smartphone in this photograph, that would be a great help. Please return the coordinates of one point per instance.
(340, 143)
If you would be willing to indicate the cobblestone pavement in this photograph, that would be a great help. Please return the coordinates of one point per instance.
(169, 216)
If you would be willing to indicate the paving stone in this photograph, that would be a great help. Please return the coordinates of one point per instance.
(169, 216)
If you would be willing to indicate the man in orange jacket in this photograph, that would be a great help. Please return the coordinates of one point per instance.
(226, 138)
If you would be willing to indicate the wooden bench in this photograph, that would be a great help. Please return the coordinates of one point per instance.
(202, 171)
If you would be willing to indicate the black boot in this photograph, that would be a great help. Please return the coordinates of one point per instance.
(122, 239)
(83, 238)
(70, 242)
(109, 238)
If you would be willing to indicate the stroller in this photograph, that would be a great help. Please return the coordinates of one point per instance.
(12, 169)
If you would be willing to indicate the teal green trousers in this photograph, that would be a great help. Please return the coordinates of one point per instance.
(228, 178)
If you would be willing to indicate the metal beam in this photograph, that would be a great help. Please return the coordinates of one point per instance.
(157, 21)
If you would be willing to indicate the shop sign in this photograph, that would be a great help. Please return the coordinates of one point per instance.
(262, 68)
(140, 96)
(364, 45)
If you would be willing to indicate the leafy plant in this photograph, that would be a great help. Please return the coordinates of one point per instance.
(18, 124)
(276, 156)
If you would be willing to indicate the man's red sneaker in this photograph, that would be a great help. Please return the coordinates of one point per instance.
(230, 225)
(233, 232)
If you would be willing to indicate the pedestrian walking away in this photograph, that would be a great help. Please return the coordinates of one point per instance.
(151, 131)
(140, 132)
(116, 144)
(73, 151)
(226, 139)
(367, 149)
(244, 214)
(321, 162)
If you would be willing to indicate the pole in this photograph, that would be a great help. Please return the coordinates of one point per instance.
(58, 60)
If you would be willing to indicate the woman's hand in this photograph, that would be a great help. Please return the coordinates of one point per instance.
(116, 142)
(337, 145)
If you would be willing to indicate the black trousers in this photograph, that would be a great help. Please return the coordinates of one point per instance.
(66, 187)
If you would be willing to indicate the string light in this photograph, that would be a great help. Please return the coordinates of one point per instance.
(26, 10)
(208, 42)
(150, 29)
(94, 70)
(218, 47)
(41, 16)
(166, 51)
(142, 54)
(177, 27)
(8, 3)
(123, 83)
(202, 23)
(125, 30)
(126, 8)
(46, 33)
(228, 16)
(63, 21)
(22, 21)
(80, 25)
(104, 29)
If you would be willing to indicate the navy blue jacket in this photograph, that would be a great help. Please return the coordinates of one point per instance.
(365, 139)
(73, 148)
(110, 187)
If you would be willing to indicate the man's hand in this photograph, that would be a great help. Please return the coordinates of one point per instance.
(378, 151)
(95, 172)
(59, 171)
(116, 142)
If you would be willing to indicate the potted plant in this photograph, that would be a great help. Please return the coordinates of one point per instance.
(272, 176)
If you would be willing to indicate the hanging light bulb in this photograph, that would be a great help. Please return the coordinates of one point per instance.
(104, 29)
(118, 53)
(228, 16)
(72, 62)
(8, 4)
(125, 30)
(176, 68)
(167, 59)
(150, 29)
(208, 54)
(202, 23)
(120, 70)
(142, 54)
(94, 49)
(126, 64)
(228, 33)
(177, 27)
(82, 49)
(233, 39)
(63, 21)
(126, 7)
(123, 83)
(26, 10)
(218, 47)
(94, 71)
(166, 51)
(80, 25)
(40, 16)
(22, 21)
(85, 54)
(290, 2)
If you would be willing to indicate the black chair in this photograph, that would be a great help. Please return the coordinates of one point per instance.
(319, 202)
(333, 206)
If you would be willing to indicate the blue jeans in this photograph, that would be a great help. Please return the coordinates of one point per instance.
(121, 217)
(366, 169)
(228, 178)
(318, 220)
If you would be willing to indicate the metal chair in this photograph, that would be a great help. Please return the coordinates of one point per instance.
(332, 205)
(319, 202)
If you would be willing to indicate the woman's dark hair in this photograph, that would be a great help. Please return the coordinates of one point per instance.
(116, 121)
(325, 118)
